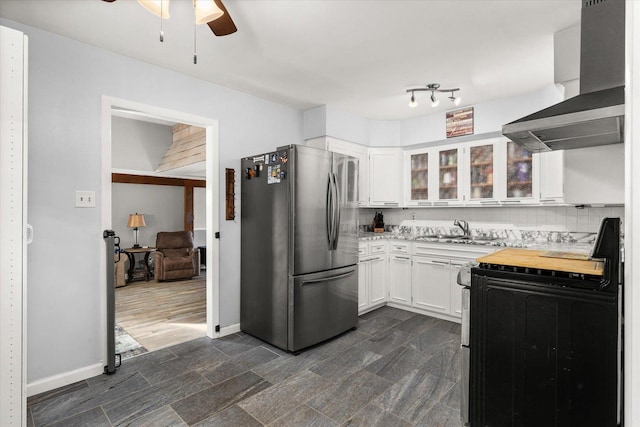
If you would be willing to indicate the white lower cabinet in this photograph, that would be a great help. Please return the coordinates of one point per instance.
(400, 279)
(364, 273)
(456, 290)
(434, 277)
(372, 275)
(430, 284)
(377, 280)
(419, 276)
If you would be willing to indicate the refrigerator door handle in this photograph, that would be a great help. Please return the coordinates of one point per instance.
(329, 212)
(327, 279)
(336, 208)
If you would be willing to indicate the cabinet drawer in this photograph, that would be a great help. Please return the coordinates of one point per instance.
(453, 250)
(377, 248)
(363, 249)
(399, 247)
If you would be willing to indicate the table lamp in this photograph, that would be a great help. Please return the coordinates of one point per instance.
(136, 220)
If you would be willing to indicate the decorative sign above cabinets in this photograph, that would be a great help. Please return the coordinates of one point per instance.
(460, 122)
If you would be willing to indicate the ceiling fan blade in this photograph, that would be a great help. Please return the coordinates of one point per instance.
(224, 25)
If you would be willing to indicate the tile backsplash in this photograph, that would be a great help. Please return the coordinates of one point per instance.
(553, 217)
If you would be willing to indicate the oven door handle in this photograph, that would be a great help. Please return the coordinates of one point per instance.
(466, 316)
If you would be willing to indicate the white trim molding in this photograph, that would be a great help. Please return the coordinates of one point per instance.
(110, 107)
(632, 217)
(13, 226)
(66, 378)
(228, 330)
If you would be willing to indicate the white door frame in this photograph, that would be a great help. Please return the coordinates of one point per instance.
(13, 226)
(632, 217)
(212, 204)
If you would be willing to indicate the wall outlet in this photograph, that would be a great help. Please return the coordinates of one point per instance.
(413, 216)
(85, 199)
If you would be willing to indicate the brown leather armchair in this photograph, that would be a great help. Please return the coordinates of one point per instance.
(175, 257)
(121, 262)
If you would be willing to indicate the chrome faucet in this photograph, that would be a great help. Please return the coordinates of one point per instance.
(464, 225)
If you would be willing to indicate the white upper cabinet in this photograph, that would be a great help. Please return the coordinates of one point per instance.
(481, 175)
(432, 176)
(416, 181)
(385, 176)
(446, 167)
(551, 177)
(521, 183)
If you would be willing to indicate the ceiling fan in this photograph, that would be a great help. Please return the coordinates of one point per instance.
(211, 12)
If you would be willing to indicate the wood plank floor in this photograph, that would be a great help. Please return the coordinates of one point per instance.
(162, 314)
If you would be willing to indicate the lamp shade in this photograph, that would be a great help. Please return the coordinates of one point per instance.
(206, 11)
(136, 220)
(157, 7)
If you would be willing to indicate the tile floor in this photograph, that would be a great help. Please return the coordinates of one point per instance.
(397, 369)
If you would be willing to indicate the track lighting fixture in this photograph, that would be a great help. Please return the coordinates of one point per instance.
(433, 88)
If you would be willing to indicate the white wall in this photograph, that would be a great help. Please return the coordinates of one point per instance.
(385, 133)
(199, 216)
(138, 145)
(161, 205)
(67, 80)
(488, 117)
(430, 128)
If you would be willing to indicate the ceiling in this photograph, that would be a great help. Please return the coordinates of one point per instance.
(358, 56)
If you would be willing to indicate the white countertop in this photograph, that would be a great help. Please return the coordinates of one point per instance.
(577, 247)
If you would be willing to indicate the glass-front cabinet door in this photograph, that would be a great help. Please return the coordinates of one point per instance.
(481, 171)
(417, 182)
(448, 161)
(519, 172)
(419, 177)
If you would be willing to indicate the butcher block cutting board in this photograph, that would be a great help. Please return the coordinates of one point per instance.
(537, 259)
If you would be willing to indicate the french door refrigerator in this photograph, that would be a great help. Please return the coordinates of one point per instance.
(299, 245)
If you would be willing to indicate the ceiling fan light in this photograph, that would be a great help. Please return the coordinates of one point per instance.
(157, 7)
(413, 103)
(206, 11)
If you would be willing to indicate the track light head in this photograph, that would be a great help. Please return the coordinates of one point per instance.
(434, 101)
(456, 100)
(413, 102)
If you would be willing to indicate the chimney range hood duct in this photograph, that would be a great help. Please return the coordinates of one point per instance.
(596, 116)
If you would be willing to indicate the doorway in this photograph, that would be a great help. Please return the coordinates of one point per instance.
(206, 284)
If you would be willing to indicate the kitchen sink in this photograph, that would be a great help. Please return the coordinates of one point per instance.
(454, 236)
(484, 238)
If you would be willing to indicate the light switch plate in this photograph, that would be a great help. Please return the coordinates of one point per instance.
(85, 199)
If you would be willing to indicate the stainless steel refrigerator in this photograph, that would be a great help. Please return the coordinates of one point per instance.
(299, 221)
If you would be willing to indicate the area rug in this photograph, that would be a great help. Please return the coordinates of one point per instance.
(126, 345)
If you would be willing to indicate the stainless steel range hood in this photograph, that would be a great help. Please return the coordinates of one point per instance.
(596, 116)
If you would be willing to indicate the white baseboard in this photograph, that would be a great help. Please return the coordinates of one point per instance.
(66, 378)
(425, 312)
(228, 330)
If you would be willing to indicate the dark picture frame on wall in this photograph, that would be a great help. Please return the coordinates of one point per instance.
(460, 122)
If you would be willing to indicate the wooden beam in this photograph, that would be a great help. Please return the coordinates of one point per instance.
(124, 178)
(188, 184)
(188, 207)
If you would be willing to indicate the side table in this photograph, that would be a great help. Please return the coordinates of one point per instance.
(132, 261)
